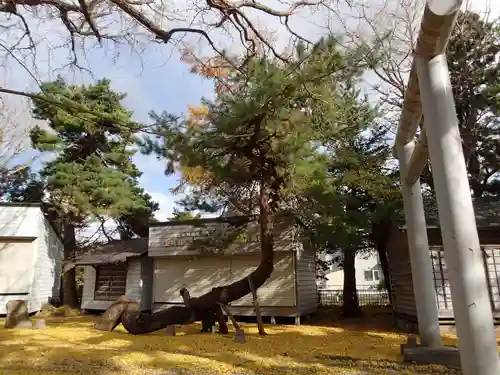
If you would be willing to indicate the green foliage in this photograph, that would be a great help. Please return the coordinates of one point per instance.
(22, 186)
(183, 215)
(267, 127)
(353, 191)
(92, 174)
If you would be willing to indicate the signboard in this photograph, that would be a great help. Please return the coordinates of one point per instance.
(186, 238)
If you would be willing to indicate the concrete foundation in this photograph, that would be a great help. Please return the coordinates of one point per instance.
(448, 356)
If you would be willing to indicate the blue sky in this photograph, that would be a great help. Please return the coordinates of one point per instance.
(155, 80)
(165, 83)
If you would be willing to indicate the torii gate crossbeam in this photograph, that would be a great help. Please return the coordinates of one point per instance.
(429, 92)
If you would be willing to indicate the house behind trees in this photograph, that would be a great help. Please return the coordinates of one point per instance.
(368, 272)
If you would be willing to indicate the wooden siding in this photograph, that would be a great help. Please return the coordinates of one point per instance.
(17, 261)
(487, 236)
(201, 274)
(48, 266)
(160, 235)
(276, 311)
(278, 290)
(20, 221)
(133, 284)
(401, 278)
(403, 299)
(306, 287)
(136, 288)
(198, 274)
(111, 280)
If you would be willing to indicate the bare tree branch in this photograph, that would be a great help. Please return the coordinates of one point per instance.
(13, 134)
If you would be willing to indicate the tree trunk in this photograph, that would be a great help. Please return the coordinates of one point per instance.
(136, 322)
(350, 308)
(70, 294)
(384, 263)
(380, 235)
(256, 308)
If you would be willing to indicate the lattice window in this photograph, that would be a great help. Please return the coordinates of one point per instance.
(441, 281)
(110, 282)
(491, 256)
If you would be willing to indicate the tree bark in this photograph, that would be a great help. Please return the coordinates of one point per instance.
(384, 264)
(256, 307)
(230, 316)
(350, 307)
(70, 294)
(380, 235)
(136, 322)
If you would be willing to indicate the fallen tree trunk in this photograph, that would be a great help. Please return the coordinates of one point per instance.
(112, 316)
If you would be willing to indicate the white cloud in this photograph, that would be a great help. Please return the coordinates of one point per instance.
(166, 203)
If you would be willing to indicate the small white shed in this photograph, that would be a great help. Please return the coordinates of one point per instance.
(31, 256)
(116, 269)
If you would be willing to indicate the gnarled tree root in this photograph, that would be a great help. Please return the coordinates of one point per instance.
(135, 322)
(206, 308)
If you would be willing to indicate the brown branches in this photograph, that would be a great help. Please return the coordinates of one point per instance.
(80, 19)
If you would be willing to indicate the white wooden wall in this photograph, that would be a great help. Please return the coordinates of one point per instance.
(27, 221)
(307, 290)
(48, 267)
(201, 274)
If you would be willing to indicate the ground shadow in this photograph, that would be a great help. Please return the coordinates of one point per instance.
(70, 346)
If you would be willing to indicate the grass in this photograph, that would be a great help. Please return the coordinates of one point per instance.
(69, 345)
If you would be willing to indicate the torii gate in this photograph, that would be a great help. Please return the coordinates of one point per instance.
(429, 92)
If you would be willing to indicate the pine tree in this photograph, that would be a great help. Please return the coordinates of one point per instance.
(256, 143)
(92, 175)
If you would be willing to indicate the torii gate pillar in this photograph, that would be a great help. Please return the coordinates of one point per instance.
(462, 251)
(418, 246)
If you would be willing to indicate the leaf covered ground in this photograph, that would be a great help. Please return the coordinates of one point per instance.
(69, 345)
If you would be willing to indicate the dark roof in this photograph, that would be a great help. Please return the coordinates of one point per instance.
(19, 204)
(114, 252)
(486, 210)
(202, 221)
(232, 219)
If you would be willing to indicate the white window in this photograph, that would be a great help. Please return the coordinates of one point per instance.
(376, 275)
